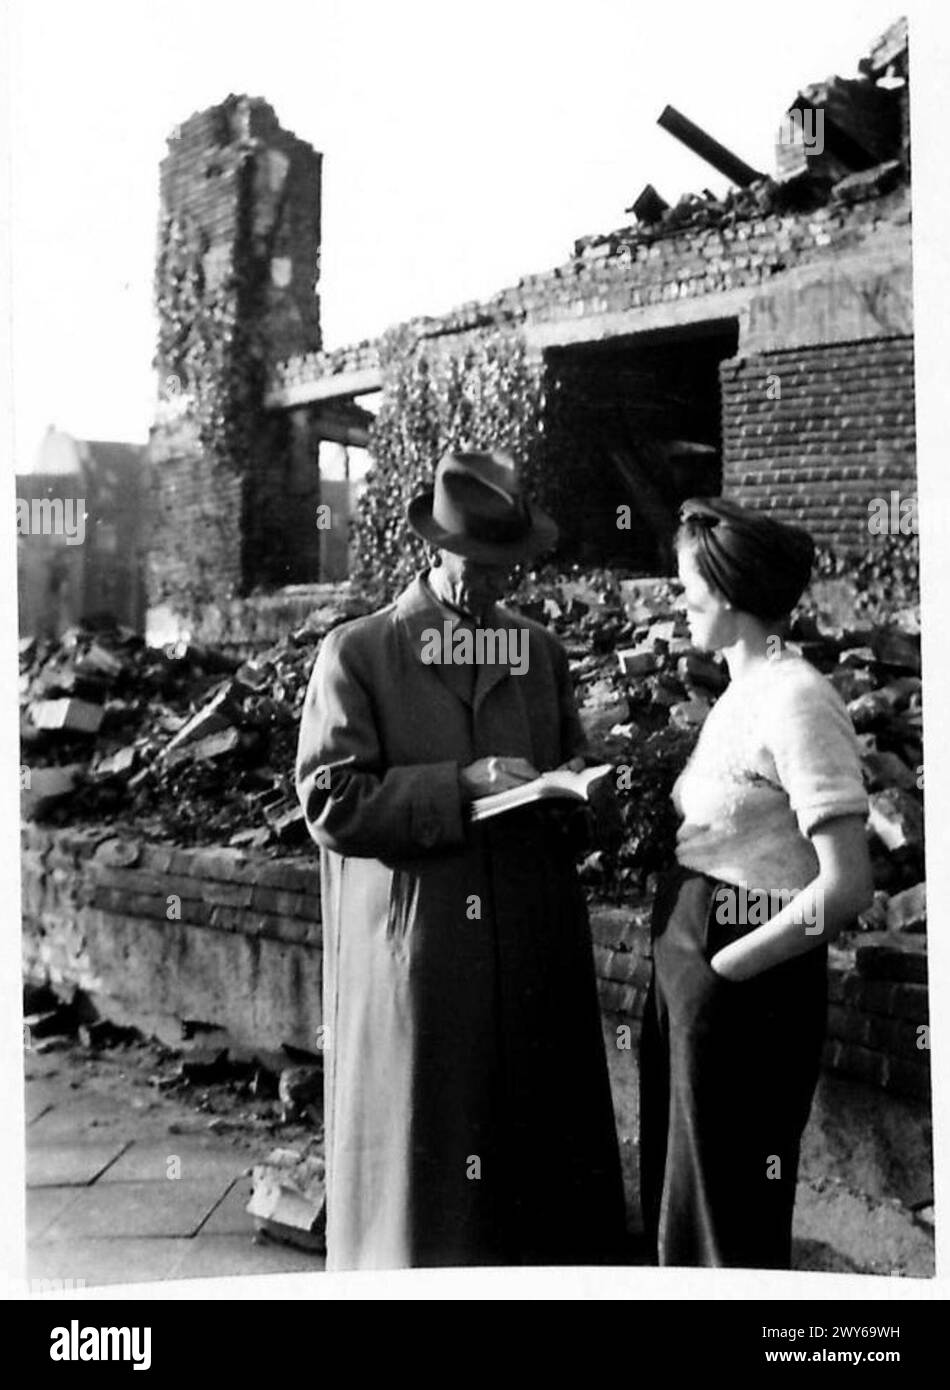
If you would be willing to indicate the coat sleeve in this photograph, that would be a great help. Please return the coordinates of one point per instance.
(353, 803)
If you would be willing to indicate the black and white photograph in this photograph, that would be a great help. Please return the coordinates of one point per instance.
(479, 583)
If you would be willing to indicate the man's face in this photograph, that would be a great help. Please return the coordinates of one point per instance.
(472, 585)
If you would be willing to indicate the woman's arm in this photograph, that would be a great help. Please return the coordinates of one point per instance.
(843, 889)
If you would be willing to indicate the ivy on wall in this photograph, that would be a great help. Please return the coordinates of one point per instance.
(208, 340)
(488, 394)
(885, 574)
(209, 302)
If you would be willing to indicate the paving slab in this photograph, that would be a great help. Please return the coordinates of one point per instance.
(36, 1066)
(44, 1092)
(44, 1205)
(218, 1257)
(137, 1209)
(69, 1164)
(230, 1218)
(34, 1107)
(104, 1261)
(78, 1118)
(152, 1161)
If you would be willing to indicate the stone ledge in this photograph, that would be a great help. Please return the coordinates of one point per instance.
(96, 917)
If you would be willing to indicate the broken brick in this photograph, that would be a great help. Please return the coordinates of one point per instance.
(896, 819)
(882, 770)
(638, 663)
(288, 1199)
(71, 715)
(907, 911)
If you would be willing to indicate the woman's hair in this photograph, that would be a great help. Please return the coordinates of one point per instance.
(760, 565)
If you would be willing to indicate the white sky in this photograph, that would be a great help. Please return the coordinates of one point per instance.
(463, 148)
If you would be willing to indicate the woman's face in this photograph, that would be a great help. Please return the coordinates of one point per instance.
(712, 625)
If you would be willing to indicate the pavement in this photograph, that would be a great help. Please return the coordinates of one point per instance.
(129, 1183)
(127, 1187)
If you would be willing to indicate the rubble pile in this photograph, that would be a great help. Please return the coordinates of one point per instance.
(190, 745)
(763, 197)
(644, 692)
(184, 742)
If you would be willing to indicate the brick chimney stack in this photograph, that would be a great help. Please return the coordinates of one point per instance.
(233, 172)
(236, 291)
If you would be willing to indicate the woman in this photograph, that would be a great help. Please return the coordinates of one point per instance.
(772, 863)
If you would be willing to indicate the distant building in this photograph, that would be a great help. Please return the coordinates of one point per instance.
(79, 535)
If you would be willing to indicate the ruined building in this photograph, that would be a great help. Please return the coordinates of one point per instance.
(760, 344)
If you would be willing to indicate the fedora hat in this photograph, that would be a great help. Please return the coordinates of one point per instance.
(477, 509)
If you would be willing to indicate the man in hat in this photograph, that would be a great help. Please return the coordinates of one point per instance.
(468, 1108)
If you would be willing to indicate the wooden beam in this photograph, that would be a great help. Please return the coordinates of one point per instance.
(701, 309)
(337, 431)
(339, 386)
(696, 139)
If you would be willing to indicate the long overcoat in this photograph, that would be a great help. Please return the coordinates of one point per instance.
(468, 1108)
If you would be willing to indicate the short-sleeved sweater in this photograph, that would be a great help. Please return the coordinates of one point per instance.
(775, 758)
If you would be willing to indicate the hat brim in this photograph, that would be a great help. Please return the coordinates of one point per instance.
(541, 535)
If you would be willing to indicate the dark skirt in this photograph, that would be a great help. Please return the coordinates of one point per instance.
(727, 1075)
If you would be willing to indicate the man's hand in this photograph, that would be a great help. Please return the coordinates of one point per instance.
(572, 765)
(486, 776)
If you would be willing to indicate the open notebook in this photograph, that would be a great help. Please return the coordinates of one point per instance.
(562, 785)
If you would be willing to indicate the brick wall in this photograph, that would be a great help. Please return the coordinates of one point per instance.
(246, 627)
(840, 432)
(99, 914)
(245, 953)
(194, 519)
(637, 268)
(878, 1015)
(199, 180)
(877, 998)
(822, 298)
(280, 541)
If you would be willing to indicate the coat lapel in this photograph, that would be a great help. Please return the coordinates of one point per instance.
(486, 678)
(420, 611)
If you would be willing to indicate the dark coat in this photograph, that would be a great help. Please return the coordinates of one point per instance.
(468, 1108)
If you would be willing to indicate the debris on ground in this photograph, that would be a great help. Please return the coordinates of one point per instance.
(300, 1089)
(186, 743)
(288, 1200)
(229, 1095)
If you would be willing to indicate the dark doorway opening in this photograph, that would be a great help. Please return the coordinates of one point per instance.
(634, 423)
